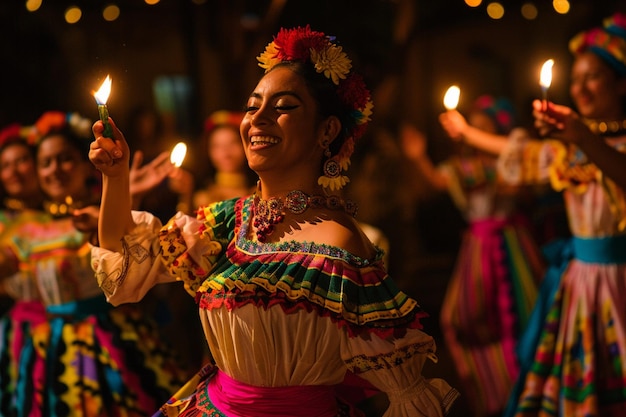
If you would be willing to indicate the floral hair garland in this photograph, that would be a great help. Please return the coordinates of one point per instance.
(608, 41)
(46, 123)
(222, 118)
(305, 45)
(499, 109)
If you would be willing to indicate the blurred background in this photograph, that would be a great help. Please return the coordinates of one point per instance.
(191, 57)
(184, 59)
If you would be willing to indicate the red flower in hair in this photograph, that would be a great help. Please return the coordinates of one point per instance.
(296, 44)
(49, 121)
(353, 91)
(9, 133)
(618, 19)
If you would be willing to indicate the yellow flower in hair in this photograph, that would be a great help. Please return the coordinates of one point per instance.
(269, 57)
(331, 61)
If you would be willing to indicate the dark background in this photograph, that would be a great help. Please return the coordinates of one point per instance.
(47, 63)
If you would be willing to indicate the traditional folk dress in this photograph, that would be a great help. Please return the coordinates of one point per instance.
(285, 322)
(574, 354)
(64, 350)
(494, 283)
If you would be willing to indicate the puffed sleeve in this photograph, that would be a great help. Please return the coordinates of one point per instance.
(525, 161)
(394, 366)
(184, 249)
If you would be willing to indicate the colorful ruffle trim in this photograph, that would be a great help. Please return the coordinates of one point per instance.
(354, 292)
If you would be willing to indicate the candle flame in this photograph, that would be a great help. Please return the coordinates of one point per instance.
(178, 154)
(451, 99)
(546, 74)
(102, 95)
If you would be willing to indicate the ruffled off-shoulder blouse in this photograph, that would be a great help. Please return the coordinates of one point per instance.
(282, 314)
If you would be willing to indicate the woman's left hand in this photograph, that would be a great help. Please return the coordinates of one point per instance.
(560, 122)
(144, 178)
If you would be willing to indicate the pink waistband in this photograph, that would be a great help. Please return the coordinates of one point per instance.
(32, 311)
(486, 227)
(236, 399)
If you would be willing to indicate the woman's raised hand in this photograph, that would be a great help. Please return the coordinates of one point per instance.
(454, 124)
(109, 156)
(560, 122)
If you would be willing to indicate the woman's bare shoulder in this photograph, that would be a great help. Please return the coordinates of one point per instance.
(339, 231)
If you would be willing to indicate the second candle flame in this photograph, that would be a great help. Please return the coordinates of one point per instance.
(545, 78)
(451, 99)
(178, 154)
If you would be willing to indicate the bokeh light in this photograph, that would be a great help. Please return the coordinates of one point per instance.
(151, 2)
(529, 11)
(111, 13)
(495, 10)
(473, 3)
(73, 14)
(33, 5)
(561, 6)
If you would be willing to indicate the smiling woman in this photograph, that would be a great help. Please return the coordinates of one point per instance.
(299, 313)
(81, 355)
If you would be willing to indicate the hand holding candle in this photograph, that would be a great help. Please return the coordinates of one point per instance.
(101, 96)
(451, 99)
(545, 79)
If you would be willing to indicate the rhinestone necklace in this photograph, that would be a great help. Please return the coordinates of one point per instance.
(268, 213)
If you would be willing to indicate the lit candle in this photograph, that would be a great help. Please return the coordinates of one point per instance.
(177, 156)
(101, 96)
(451, 99)
(545, 79)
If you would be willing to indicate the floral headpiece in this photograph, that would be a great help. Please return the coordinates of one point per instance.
(608, 42)
(222, 118)
(13, 133)
(302, 44)
(499, 109)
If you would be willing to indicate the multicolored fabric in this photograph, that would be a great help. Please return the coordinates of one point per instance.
(566, 168)
(287, 274)
(274, 315)
(486, 306)
(68, 352)
(579, 361)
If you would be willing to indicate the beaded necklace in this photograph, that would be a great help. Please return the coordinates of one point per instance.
(606, 128)
(268, 213)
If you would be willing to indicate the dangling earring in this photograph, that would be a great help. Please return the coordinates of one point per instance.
(331, 171)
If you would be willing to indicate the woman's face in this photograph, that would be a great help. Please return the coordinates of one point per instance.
(596, 89)
(482, 121)
(61, 169)
(280, 129)
(18, 173)
(226, 151)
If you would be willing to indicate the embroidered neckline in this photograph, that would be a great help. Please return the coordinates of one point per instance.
(244, 206)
